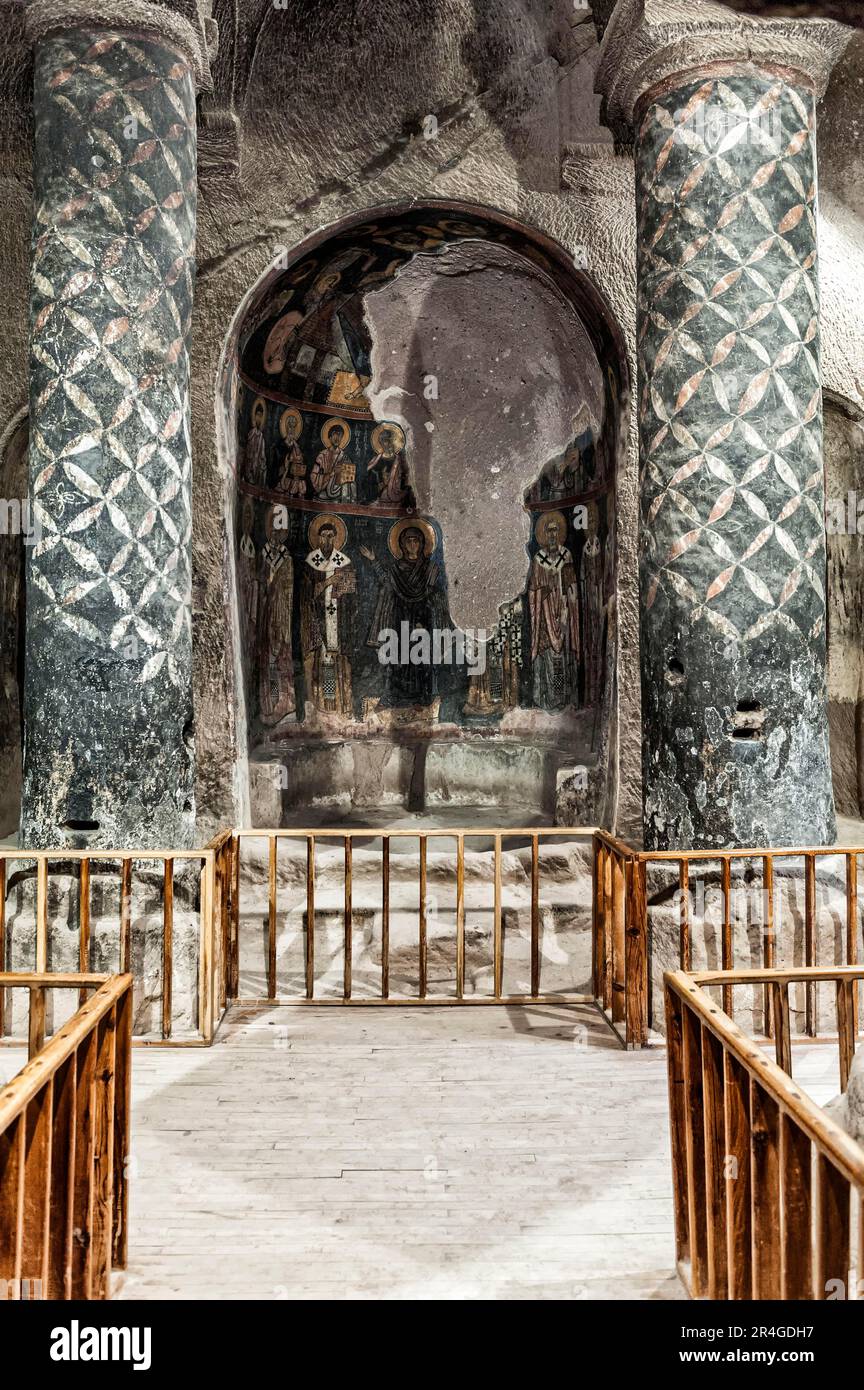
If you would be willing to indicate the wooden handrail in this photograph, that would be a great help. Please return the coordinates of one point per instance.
(843, 1151)
(350, 841)
(763, 1177)
(17, 1093)
(64, 1146)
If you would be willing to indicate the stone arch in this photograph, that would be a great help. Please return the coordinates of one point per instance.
(358, 737)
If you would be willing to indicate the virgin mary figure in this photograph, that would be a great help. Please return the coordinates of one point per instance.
(412, 594)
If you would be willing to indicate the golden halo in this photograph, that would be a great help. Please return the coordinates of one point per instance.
(397, 432)
(327, 280)
(315, 530)
(459, 228)
(329, 425)
(293, 415)
(406, 524)
(302, 271)
(259, 400)
(542, 527)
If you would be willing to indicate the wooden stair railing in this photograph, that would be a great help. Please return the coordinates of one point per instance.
(64, 1144)
(767, 1187)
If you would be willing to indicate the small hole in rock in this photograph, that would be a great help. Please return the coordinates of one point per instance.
(80, 825)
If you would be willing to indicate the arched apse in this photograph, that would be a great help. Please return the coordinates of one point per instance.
(424, 412)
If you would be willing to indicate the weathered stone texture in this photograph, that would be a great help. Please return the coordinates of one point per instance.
(735, 746)
(108, 700)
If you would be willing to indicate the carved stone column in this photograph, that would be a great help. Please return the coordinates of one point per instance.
(732, 543)
(108, 751)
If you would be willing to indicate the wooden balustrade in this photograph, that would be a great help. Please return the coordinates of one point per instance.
(120, 872)
(767, 1187)
(620, 938)
(64, 1145)
(307, 895)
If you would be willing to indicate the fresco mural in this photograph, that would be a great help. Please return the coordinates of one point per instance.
(333, 556)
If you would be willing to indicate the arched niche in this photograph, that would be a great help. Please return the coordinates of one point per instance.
(424, 412)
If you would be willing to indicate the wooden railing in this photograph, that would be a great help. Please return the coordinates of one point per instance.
(382, 991)
(120, 872)
(64, 1146)
(620, 937)
(765, 862)
(767, 1187)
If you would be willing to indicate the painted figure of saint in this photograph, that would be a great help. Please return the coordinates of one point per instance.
(553, 598)
(247, 569)
(593, 605)
(333, 473)
(327, 609)
(496, 689)
(292, 469)
(412, 591)
(275, 597)
(256, 447)
(388, 468)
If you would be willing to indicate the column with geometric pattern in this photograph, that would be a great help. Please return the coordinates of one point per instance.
(732, 557)
(108, 687)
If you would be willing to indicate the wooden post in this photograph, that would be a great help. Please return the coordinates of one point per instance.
(37, 1190)
(271, 919)
(768, 933)
(846, 1031)
(497, 945)
(422, 921)
(82, 1220)
(535, 913)
(234, 969)
(167, 944)
(348, 921)
(677, 1123)
(832, 1230)
(122, 1120)
(599, 917)
(715, 1164)
(310, 917)
(126, 915)
(810, 942)
(685, 944)
(765, 1179)
(737, 1160)
(62, 1183)
(619, 943)
(460, 917)
(782, 1031)
(385, 917)
(2, 946)
(694, 1131)
(636, 960)
(101, 1231)
(83, 922)
(12, 1146)
(726, 945)
(796, 1279)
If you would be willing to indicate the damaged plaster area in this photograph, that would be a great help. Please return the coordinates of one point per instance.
(486, 366)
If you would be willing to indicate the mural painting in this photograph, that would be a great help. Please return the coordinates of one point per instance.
(343, 583)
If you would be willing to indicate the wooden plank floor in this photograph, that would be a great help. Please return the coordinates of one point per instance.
(478, 1153)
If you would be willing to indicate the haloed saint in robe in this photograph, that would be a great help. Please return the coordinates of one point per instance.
(327, 612)
(593, 605)
(553, 600)
(412, 592)
(275, 598)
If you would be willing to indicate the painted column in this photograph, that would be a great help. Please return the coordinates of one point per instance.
(732, 539)
(108, 750)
